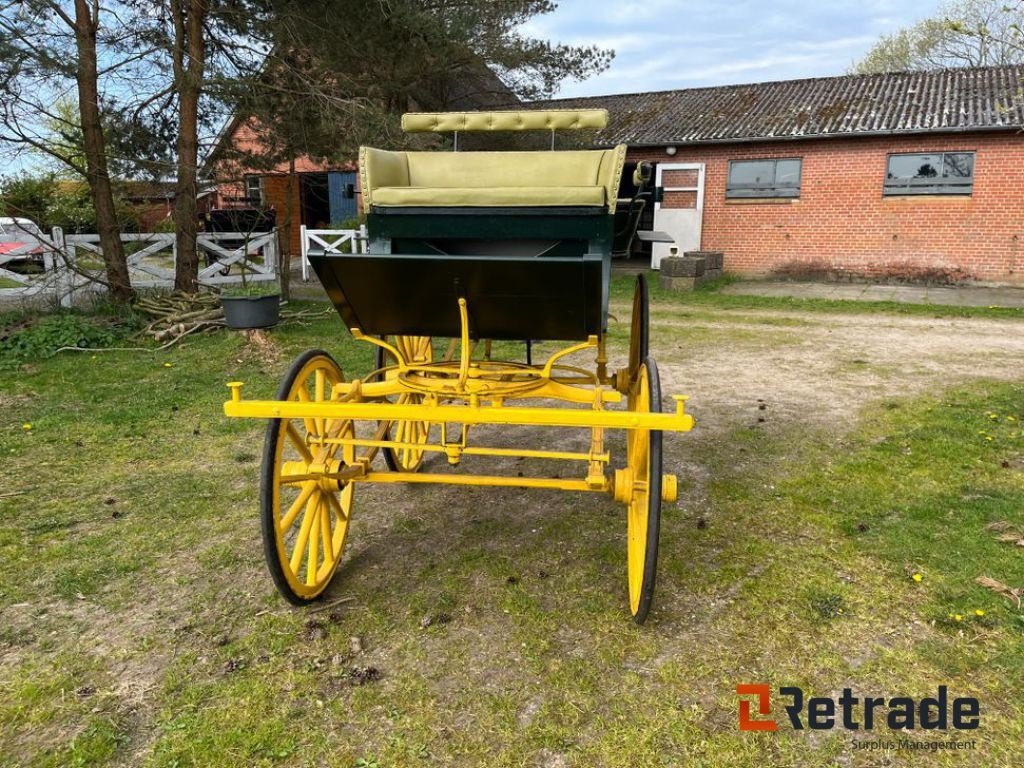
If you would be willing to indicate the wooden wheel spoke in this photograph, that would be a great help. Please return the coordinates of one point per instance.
(293, 511)
(325, 535)
(312, 556)
(300, 543)
(332, 500)
(425, 348)
(302, 395)
(298, 442)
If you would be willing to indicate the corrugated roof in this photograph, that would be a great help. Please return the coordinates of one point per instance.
(976, 99)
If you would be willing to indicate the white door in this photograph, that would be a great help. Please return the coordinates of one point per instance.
(681, 210)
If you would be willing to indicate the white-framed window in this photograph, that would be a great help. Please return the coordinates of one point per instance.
(929, 173)
(764, 178)
(254, 190)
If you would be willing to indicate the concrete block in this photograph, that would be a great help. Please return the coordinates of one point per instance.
(712, 274)
(675, 266)
(680, 284)
(712, 259)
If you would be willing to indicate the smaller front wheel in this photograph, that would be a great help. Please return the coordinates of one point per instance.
(408, 458)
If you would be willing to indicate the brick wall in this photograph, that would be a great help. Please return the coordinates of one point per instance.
(842, 226)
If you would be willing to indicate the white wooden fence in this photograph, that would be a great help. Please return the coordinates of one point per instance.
(69, 263)
(330, 241)
(47, 271)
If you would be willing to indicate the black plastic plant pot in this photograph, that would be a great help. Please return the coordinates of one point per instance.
(242, 312)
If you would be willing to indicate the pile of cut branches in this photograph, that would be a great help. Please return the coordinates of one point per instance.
(176, 315)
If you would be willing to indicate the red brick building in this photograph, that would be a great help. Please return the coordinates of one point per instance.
(904, 175)
(322, 194)
(907, 176)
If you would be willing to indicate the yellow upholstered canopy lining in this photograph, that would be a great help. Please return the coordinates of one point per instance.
(585, 177)
(533, 120)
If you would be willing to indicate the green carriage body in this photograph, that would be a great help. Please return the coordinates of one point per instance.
(525, 274)
(524, 237)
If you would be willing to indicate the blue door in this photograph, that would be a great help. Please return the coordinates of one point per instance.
(341, 192)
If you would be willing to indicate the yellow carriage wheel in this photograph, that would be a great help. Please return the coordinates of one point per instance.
(414, 349)
(640, 328)
(643, 447)
(305, 515)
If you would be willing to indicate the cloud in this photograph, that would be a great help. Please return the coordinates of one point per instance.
(662, 44)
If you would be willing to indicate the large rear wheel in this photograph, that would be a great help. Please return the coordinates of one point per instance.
(645, 495)
(640, 328)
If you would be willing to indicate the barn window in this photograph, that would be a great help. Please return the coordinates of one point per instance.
(932, 173)
(764, 178)
(254, 190)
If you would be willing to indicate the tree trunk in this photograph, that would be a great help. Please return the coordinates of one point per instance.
(97, 175)
(189, 61)
(285, 252)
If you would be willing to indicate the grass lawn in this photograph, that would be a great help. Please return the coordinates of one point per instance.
(819, 548)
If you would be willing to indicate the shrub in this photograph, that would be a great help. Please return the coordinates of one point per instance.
(39, 337)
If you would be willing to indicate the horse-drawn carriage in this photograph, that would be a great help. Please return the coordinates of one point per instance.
(470, 247)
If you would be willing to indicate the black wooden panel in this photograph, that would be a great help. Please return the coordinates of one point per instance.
(508, 298)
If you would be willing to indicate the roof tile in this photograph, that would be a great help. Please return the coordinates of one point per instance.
(982, 98)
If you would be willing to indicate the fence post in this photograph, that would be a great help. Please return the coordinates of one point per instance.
(364, 239)
(63, 275)
(274, 255)
(57, 239)
(303, 249)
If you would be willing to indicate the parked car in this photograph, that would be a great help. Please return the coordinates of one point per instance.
(21, 248)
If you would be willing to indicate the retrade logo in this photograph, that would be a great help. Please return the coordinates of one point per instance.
(764, 707)
(853, 713)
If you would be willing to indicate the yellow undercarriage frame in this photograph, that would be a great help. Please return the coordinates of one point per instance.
(324, 433)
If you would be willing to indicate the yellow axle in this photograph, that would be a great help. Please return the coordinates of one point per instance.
(618, 485)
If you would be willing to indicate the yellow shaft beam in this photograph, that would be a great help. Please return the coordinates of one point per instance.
(459, 414)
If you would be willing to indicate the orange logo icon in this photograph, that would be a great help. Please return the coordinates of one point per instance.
(764, 707)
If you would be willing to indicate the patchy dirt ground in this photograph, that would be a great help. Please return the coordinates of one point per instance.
(819, 370)
(785, 371)
(491, 625)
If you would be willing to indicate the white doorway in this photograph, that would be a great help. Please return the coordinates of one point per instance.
(681, 210)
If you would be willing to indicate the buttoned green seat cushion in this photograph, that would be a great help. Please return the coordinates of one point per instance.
(482, 179)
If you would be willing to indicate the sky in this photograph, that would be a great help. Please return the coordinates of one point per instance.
(666, 44)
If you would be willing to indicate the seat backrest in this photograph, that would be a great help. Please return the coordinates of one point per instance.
(574, 168)
(504, 169)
